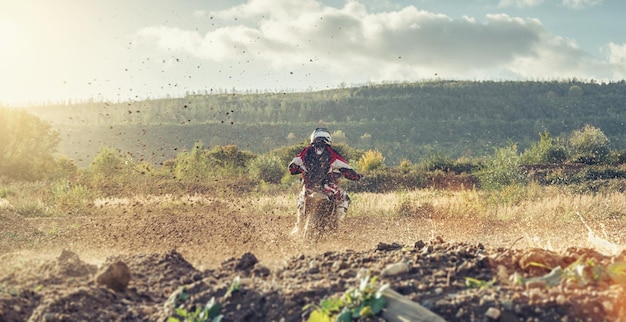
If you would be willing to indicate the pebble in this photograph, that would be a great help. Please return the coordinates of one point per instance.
(608, 306)
(460, 313)
(338, 265)
(395, 269)
(493, 313)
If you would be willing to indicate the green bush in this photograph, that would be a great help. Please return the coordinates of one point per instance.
(27, 145)
(437, 161)
(109, 163)
(502, 169)
(229, 157)
(64, 168)
(70, 198)
(371, 160)
(109, 172)
(589, 145)
(201, 165)
(267, 168)
(193, 165)
(547, 150)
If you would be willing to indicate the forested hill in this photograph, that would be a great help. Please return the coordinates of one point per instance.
(405, 120)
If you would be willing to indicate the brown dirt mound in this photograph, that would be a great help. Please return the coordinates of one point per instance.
(436, 278)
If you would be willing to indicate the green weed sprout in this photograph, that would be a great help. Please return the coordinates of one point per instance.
(207, 313)
(477, 283)
(355, 303)
(234, 287)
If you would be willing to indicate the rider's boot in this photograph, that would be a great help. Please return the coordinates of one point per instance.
(342, 207)
(298, 215)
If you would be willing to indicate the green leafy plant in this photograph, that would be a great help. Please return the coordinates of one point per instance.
(209, 312)
(477, 283)
(355, 303)
(234, 287)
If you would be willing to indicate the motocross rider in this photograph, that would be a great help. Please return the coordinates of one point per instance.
(320, 165)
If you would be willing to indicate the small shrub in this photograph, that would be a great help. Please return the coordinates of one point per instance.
(192, 165)
(617, 157)
(405, 166)
(371, 160)
(438, 161)
(5, 192)
(589, 145)
(547, 150)
(501, 170)
(32, 208)
(267, 168)
(64, 168)
(108, 162)
(407, 207)
(511, 194)
(70, 198)
(229, 156)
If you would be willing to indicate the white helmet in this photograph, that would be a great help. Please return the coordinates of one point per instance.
(321, 135)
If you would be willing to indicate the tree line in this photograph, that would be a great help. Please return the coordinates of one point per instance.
(403, 120)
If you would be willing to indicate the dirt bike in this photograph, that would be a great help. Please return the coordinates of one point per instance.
(318, 217)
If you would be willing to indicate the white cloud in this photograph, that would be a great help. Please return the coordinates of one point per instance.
(573, 4)
(519, 3)
(354, 45)
(617, 58)
(267, 9)
(580, 4)
(617, 54)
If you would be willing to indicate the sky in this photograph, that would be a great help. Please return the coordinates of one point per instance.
(120, 50)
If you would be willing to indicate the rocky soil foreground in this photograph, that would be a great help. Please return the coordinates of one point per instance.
(433, 273)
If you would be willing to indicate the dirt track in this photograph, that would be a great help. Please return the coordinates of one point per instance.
(206, 248)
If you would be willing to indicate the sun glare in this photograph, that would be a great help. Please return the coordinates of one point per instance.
(8, 40)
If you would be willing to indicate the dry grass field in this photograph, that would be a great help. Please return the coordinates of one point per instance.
(211, 229)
